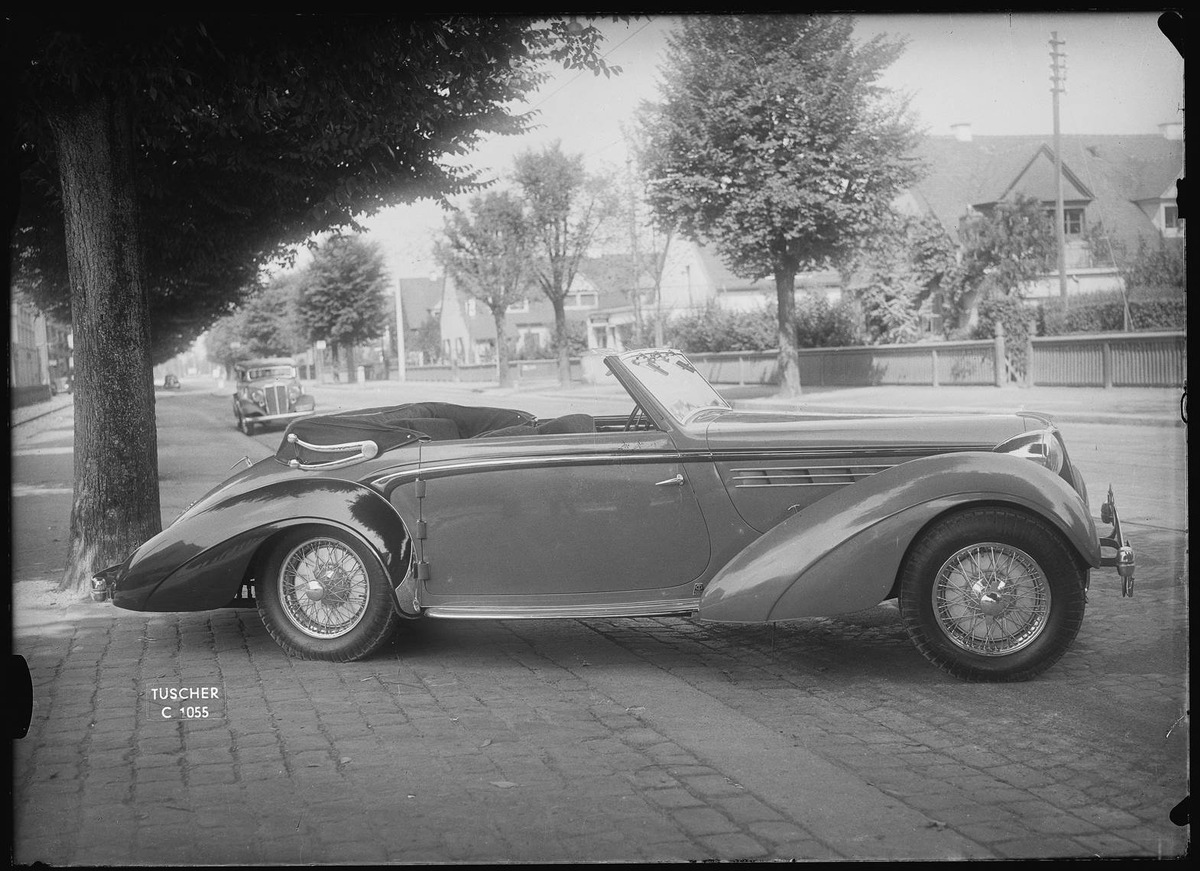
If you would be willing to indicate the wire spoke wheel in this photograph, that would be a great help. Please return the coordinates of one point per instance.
(324, 587)
(991, 599)
(324, 594)
(992, 593)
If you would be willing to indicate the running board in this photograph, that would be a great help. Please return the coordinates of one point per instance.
(667, 608)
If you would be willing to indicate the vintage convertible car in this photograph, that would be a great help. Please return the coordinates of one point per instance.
(685, 506)
(268, 391)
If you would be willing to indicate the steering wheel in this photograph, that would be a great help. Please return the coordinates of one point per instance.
(635, 417)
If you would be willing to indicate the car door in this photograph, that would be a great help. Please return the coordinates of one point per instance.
(590, 513)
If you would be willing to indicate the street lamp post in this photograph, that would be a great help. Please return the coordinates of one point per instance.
(402, 372)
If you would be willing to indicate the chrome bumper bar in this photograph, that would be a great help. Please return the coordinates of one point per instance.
(283, 415)
(101, 589)
(1121, 556)
(104, 583)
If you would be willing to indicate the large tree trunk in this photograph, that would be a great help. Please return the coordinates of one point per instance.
(789, 360)
(563, 339)
(116, 501)
(502, 374)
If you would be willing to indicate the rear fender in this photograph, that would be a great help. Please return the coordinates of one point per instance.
(201, 561)
(843, 553)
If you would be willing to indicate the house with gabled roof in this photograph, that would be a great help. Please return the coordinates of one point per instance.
(469, 328)
(1118, 190)
(694, 277)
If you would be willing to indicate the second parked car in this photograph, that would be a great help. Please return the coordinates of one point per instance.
(268, 391)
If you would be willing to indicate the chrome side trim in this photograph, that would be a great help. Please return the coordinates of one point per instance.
(366, 450)
(734, 455)
(454, 467)
(803, 477)
(662, 608)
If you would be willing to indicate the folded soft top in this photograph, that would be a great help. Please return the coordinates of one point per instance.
(391, 427)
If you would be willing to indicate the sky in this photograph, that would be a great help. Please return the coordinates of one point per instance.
(990, 70)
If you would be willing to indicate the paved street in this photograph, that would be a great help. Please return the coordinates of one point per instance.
(597, 740)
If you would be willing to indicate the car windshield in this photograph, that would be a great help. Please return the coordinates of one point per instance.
(270, 372)
(674, 381)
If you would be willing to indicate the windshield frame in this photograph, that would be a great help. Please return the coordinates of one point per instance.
(665, 381)
(269, 373)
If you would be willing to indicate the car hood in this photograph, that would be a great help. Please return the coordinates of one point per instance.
(732, 429)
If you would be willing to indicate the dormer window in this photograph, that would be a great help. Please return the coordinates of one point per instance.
(1171, 222)
(1072, 220)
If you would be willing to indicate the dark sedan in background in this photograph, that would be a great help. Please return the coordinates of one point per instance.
(268, 391)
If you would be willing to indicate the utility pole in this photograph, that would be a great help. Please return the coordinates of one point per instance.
(1058, 79)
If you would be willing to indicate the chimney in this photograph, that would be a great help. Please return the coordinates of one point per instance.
(962, 131)
(1172, 130)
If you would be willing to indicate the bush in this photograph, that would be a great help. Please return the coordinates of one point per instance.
(1150, 308)
(821, 325)
(716, 329)
(1017, 319)
(818, 325)
(1161, 266)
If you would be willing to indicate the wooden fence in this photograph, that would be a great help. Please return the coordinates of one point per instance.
(1105, 360)
(1102, 360)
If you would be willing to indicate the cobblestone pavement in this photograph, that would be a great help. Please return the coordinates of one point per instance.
(636, 740)
(598, 741)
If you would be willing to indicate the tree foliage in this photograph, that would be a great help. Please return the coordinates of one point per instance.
(487, 253)
(1010, 245)
(1003, 249)
(255, 133)
(567, 209)
(775, 141)
(898, 272)
(341, 294)
(267, 324)
(163, 160)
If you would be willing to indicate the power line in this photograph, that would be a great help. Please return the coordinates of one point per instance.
(580, 74)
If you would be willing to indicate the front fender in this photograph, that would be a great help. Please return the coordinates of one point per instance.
(201, 560)
(843, 553)
(246, 408)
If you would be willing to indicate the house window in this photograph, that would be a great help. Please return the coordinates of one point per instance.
(518, 308)
(1073, 222)
(471, 307)
(582, 299)
(1172, 225)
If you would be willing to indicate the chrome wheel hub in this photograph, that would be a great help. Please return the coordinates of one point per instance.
(992, 599)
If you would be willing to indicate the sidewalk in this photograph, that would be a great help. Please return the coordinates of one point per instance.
(1158, 406)
(1125, 405)
(26, 413)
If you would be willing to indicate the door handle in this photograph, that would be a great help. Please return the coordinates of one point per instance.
(676, 481)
